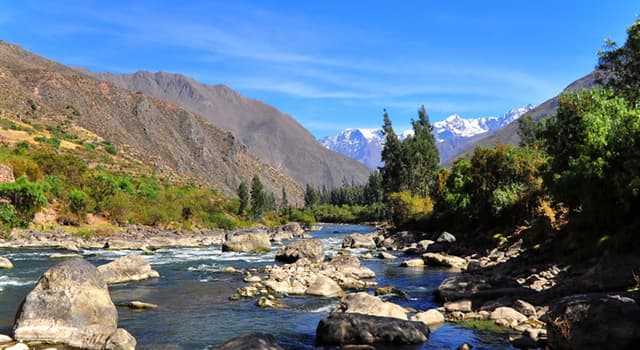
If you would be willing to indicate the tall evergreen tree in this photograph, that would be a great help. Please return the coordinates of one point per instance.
(243, 195)
(421, 156)
(619, 67)
(311, 196)
(258, 198)
(284, 204)
(391, 171)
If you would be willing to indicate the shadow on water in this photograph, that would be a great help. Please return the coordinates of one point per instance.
(194, 309)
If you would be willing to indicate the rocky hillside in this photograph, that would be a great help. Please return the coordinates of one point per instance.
(272, 136)
(453, 135)
(153, 131)
(509, 134)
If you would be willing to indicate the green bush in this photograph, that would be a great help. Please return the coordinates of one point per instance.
(25, 196)
(53, 141)
(222, 221)
(78, 202)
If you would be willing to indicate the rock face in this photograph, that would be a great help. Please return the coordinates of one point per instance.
(358, 240)
(594, 321)
(71, 305)
(349, 328)
(253, 341)
(5, 263)
(247, 242)
(126, 269)
(367, 304)
(324, 287)
(310, 249)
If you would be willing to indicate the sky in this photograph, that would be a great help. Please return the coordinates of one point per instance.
(337, 64)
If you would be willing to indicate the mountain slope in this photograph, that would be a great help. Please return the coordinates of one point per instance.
(270, 135)
(452, 135)
(509, 134)
(153, 131)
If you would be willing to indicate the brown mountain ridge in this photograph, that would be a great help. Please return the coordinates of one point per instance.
(154, 131)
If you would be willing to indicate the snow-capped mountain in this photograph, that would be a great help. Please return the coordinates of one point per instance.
(452, 135)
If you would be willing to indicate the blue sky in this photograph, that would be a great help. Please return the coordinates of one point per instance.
(337, 64)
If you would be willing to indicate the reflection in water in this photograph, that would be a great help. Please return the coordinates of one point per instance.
(194, 309)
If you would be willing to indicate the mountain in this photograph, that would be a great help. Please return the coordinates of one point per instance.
(145, 129)
(452, 135)
(270, 135)
(509, 134)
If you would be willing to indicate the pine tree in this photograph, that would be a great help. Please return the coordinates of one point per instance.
(284, 203)
(258, 198)
(311, 197)
(391, 171)
(243, 195)
(421, 156)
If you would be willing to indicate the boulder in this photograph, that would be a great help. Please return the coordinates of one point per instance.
(358, 240)
(412, 263)
(391, 290)
(324, 287)
(247, 242)
(18, 346)
(253, 341)
(524, 308)
(292, 228)
(126, 269)
(594, 321)
(508, 314)
(430, 317)
(5, 263)
(460, 305)
(424, 244)
(310, 249)
(342, 261)
(446, 237)
(71, 305)
(444, 260)
(352, 328)
(386, 256)
(367, 304)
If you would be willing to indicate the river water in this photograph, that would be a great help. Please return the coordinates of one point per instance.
(193, 296)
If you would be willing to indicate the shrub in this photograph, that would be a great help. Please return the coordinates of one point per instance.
(407, 208)
(222, 221)
(23, 166)
(25, 196)
(78, 202)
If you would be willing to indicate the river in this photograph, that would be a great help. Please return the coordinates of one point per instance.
(193, 296)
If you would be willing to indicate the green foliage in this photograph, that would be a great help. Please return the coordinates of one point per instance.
(222, 221)
(25, 196)
(110, 148)
(243, 196)
(78, 202)
(311, 196)
(619, 67)
(258, 199)
(408, 209)
(392, 157)
(53, 141)
(420, 156)
(8, 217)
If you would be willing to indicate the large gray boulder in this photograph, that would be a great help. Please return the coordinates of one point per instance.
(71, 305)
(359, 240)
(594, 321)
(324, 287)
(368, 304)
(253, 341)
(353, 329)
(247, 242)
(310, 249)
(126, 269)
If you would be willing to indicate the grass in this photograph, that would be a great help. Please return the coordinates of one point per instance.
(485, 326)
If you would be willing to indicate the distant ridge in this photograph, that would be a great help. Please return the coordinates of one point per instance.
(272, 136)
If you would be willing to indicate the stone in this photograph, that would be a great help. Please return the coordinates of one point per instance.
(6, 174)
(342, 261)
(386, 256)
(430, 317)
(5, 263)
(465, 346)
(474, 266)
(5, 339)
(230, 269)
(444, 260)
(352, 328)
(71, 305)
(18, 346)
(594, 321)
(367, 304)
(310, 249)
(522, 342)
(460, 305)
(413, 263)
(247, 242)
(524, 308)
(252, 279)
(64, 256)
(126, 269)
(424, 244)
(324, 287)
(266, 303)
(139, 305)
(293, 227)
(358, 240)
(253, 341)
(508, 314)
(391, 290)
(446, 237)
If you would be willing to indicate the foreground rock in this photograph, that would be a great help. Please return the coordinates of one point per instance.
(126, 269)
(310, 249)
(5, 263)
(367, 304)
(253, 341)
(351, 328)
(247, 242)
(71, 305)
(594, 321)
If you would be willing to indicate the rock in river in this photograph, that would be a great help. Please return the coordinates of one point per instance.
(126, 269)
(253, 341)
(324, 287)
(343, 329)
(367, 304)
(310, 249)
(71, 305)
(247, 242)
(358, 240)
(5, 263)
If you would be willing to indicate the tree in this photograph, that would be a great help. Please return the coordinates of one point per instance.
(619, 67)
(258, 198)
(311, 196)
(284, 203)
(391, 171)
(243, 195)
(421, 156)
(528, 130)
